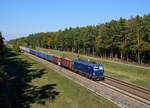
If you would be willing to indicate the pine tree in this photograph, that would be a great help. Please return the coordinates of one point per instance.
(123, 28)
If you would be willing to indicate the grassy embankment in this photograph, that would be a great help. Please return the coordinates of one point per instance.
(127, 73)
(30, 83)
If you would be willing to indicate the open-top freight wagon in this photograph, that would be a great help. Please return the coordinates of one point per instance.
(92, 71)
(67, 63)
(56, 60)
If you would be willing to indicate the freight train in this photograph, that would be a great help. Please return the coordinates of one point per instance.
(90, 70)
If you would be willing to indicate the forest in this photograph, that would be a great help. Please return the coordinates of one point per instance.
(125, 39)
(1, 70)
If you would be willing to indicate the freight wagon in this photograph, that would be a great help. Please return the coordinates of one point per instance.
(33, 52)
(56, 60)
(67, 63)
(41, 55)
(24, 49)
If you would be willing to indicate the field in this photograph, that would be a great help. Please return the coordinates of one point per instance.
(31, 83)
(130, 74)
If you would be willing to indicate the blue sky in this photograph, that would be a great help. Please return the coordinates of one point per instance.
(19, 18)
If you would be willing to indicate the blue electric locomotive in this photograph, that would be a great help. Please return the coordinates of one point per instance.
(91, 70)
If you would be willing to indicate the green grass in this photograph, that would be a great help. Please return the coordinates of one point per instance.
(130, 74)
(32, 80)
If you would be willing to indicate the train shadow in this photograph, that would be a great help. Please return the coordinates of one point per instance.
(19, 89)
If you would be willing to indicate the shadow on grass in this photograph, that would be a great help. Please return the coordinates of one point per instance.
(20, 92)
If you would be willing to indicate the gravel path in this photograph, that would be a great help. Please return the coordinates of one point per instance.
(111, 93)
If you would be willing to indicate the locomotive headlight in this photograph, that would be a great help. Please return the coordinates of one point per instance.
(101, 68)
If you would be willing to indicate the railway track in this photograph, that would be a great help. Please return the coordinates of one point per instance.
(138, 91)
(125, 94)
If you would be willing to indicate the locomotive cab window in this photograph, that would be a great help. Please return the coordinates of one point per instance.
(101, 68)
(96, 68)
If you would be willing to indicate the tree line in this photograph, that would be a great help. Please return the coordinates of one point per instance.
(126, 39)
(2, 49)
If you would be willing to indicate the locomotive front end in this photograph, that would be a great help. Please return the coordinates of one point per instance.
(98, 71)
